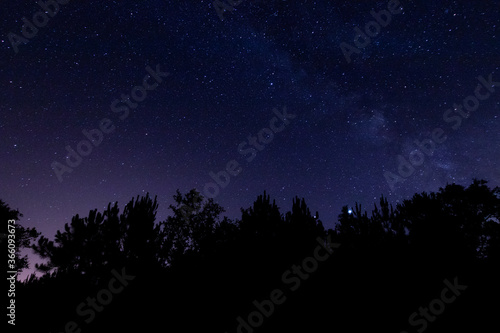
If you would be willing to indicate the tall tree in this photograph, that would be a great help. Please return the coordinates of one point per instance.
(194, 228)
(103, 241)
(262, 220)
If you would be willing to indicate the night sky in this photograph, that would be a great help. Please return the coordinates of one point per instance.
(229, 83)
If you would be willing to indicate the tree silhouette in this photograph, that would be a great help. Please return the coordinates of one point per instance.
(197, 270)
(102, 241)
(194, 227)
(453, 220)
(262, 221)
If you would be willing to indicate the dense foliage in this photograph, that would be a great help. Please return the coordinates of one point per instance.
(198, 270)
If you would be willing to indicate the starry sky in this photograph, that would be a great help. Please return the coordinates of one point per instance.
(350, 115)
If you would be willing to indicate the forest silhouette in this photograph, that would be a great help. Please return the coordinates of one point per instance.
(198, 270)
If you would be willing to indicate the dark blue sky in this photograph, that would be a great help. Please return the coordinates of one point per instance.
(352, 119)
